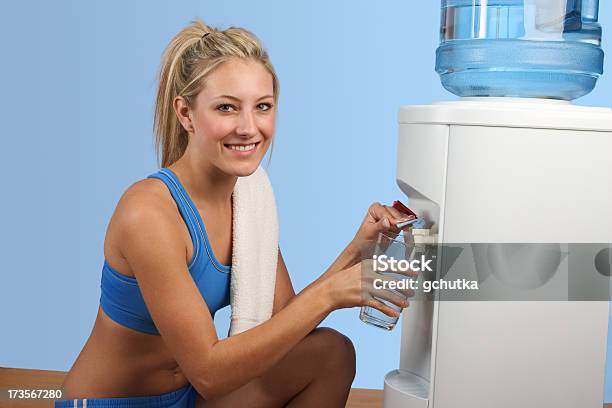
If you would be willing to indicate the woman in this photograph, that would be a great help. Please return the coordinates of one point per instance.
(154, 342)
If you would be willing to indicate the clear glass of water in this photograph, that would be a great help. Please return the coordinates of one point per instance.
(388, 246)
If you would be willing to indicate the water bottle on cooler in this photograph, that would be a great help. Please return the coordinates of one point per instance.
(520, 48)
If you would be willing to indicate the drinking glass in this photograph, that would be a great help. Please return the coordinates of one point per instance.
(398, 247)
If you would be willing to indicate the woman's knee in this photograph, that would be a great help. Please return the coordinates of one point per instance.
(336, 351)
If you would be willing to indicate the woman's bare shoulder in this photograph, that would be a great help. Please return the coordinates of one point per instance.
(145, 198)
(145, 208)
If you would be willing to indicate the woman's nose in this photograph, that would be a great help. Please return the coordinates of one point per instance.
(246, 123)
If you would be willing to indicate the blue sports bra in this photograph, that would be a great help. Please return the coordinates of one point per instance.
(121, 298)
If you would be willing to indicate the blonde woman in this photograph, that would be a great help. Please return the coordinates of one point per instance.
(168, 257)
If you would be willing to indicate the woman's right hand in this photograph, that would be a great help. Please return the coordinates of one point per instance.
(354, 286)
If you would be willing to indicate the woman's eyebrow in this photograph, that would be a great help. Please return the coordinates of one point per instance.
(238, 99)
(227, 97)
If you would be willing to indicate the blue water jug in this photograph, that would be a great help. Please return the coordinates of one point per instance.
(520, 48)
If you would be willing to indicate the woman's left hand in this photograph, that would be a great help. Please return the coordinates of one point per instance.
(378, 219)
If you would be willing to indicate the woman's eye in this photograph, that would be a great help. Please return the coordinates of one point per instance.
(264, 106)
(225, 108)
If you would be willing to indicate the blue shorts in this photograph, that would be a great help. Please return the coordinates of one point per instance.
(184, 397)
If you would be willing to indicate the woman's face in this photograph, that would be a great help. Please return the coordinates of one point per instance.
(233, 117)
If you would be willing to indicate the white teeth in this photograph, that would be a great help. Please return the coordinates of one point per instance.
(242, 148)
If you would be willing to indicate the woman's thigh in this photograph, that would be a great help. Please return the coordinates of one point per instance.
(322, 352)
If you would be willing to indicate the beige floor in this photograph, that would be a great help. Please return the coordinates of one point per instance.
(365, 398)
(40, 379)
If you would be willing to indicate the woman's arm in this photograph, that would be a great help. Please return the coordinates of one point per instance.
(283, 289)
(379, 218)
(284, 292)
(151, 242)
(371, 226)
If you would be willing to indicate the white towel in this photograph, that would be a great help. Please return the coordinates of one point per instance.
(254, 252)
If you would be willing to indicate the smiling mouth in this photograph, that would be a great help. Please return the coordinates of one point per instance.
(242, 147)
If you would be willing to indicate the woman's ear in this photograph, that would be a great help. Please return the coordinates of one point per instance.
(183, 113)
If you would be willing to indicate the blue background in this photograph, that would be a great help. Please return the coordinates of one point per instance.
(78, 82)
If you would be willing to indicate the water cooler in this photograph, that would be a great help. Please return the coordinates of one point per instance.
(512, 161)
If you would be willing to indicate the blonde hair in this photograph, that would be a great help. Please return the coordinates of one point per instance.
(186, 62)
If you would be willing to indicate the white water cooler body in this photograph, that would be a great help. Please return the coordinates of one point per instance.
(505, 170)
